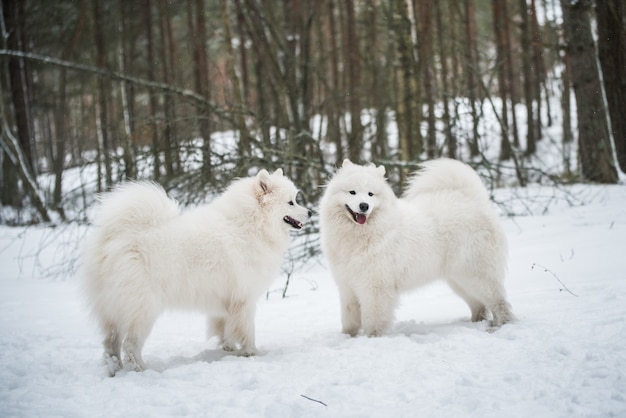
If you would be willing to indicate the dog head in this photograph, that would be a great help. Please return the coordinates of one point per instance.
(358, 191)
(276, 195)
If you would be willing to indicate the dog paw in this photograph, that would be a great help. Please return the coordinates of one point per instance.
(112, 363)
(353, 332)
(248, 352)
(134, 364)
(228, 348)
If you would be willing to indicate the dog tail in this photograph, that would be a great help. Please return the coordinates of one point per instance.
(134, 207)
(111, 249)
(446, 174)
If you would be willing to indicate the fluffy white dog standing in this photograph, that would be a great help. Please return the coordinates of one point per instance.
(144, 257)
(379, 245)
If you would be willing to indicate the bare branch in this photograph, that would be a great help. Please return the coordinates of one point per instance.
(198, 99)
(10, 144)
(314, 400)
(555, 276)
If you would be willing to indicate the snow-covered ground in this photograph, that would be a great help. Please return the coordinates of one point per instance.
(565, 356)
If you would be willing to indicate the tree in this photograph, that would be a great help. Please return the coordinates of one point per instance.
(61, 112)
(237, 93)
(596, 157)
(10, 146)
(198, 35)
(446, 93)
(126, 57)
(529, 98)
(332, 82)
(407, 93)
(471, 70)
(169, 105)
(499, 17)
(274, 68)
(425, 11)
(14, 15)
(103, 90)
(512, 90)
(153, 109)
(539, 70)
(353, 59)
(612, 53)
(13, 79)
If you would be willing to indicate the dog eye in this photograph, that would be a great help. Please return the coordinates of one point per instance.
(290, 203)
(370, 194)
(352, 192)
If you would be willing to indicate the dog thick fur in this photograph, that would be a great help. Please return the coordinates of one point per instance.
(378, 245)
(144, 256)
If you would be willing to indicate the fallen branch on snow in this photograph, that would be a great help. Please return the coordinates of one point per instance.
(546, 270)
(314, 400)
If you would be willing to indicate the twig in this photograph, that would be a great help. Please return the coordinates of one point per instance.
(546, 270)
(314, 400)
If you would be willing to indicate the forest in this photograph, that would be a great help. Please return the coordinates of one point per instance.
(194, 93)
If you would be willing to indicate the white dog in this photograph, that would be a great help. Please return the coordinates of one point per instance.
(378, 245)
(144, 257)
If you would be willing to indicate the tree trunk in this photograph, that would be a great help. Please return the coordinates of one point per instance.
(11, 147)
(540, 72)
(201, 77)
(353, 58)
(408, 100)
(126, 52)
(498, 18)
(334, 127)
(442, 45)
(471, 71)
(508, 68)
(531, 140)
(243, 56)
(378, 92)
(102, 108)
(426, 59)
(169, 131)
(612, 53)
(61, 114)
(147, 11)
(568, 136)
(14, 19)
(596, 157)
(244, 135)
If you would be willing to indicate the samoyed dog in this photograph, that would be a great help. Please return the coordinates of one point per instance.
(144, 256)
(378, 245)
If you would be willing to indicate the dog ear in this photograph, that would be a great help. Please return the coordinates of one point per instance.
(381, 170)
(278, 172)
(263, 181)
(347, 163)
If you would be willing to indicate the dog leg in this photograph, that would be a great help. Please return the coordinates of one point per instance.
(134, 341)
(502, 314)
(112, 348)
(490, 293)
(350, 312)
(239, 327)
(377, 311)
(217, 326)
(478, 309)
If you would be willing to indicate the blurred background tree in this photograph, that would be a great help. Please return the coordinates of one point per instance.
(192, 93)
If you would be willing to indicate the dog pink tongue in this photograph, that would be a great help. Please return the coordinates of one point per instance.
(360, 218)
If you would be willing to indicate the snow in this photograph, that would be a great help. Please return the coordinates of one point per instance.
(565, 355)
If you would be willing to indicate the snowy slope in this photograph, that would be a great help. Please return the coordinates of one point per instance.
(565, 356)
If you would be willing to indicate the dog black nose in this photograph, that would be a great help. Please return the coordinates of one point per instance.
(310, 213)
(364, 206)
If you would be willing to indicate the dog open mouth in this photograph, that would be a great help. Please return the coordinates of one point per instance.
(293, 222)
(359, 218)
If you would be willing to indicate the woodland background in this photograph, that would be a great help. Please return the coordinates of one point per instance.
(193, 93)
